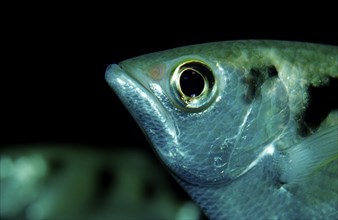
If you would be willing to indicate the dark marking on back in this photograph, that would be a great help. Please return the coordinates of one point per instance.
(323, 100)
(255, 78)
(272, 71)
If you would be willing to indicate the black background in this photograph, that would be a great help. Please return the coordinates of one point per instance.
(54, 59)
(53, 86)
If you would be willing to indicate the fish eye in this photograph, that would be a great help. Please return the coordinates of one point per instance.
(193, 84)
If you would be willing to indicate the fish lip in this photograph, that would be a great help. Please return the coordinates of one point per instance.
(117, 74)
(127, 84)
(114, 72)
(146, 109)
(131, 72)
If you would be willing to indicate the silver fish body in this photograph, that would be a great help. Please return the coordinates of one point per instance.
(227, 119)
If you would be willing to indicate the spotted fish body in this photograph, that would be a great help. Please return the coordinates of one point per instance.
(240, 146)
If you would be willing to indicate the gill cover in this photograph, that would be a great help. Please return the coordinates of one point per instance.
(221, 135)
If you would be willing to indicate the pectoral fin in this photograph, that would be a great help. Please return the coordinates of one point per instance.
(311, 171)
(311, 155)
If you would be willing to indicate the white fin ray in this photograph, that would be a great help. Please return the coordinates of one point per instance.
(310, 155)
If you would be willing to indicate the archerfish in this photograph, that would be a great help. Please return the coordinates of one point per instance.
(232, 122)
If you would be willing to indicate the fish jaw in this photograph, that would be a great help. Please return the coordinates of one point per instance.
(151, 108)
(145, 108)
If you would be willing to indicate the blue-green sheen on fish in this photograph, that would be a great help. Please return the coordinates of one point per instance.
(227, 119)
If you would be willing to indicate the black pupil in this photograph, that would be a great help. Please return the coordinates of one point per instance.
(191, 82)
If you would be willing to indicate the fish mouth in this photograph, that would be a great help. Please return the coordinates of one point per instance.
(133, 89)
(127, 83)
(119, 75)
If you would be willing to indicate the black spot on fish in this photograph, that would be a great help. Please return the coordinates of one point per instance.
(255, 78)
(105, 180)
(149, 190)
(280, 182)
(272, 71)
(322, 101)
(56, 165)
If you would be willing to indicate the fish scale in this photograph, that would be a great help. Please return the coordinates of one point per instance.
(241, 153)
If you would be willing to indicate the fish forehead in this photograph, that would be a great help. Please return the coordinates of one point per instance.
(299, 64)
(309, 56)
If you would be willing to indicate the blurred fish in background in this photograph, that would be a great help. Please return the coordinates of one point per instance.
(53, 181)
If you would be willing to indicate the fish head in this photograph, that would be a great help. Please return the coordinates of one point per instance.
(190, 103)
